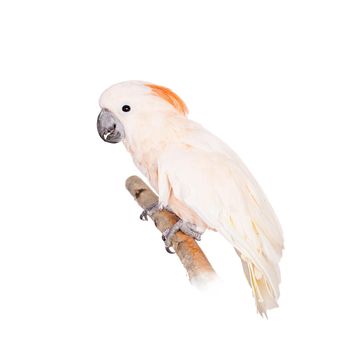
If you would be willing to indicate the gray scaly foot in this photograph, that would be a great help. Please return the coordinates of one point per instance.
(186, 227)
(149, 211)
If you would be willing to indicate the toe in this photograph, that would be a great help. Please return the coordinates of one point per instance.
(169, 250)
(144, 216)
(165, 234)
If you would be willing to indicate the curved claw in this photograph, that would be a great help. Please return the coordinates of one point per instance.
(167, 247)
(197, 236)
(144, 216)
(169, 251)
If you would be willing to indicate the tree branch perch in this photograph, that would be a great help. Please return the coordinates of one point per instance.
(199, 270)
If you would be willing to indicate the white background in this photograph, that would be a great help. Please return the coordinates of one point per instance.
(78, 270)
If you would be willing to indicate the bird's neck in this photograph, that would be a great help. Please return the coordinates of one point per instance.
(148, 137)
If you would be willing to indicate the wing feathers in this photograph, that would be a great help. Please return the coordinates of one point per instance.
(212, 181)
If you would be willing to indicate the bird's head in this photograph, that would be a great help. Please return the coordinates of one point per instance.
(127, 103)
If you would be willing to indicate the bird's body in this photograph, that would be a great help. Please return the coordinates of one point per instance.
(201, 179)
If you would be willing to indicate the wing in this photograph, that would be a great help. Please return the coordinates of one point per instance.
(209, 178)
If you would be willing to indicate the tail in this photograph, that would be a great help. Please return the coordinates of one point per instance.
(263, 292)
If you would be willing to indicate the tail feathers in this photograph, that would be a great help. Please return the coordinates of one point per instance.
(262, 290)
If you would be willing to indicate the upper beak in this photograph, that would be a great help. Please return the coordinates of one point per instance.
(109, 127)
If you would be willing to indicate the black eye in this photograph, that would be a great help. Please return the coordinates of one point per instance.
(126, 108)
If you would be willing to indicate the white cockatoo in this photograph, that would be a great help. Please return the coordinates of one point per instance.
(198, 177)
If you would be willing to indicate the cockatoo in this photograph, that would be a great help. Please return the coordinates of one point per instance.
(198, 177)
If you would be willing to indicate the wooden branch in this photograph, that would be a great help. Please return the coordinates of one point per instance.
(199, 270)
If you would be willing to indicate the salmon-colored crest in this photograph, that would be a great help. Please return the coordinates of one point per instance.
(170, 97)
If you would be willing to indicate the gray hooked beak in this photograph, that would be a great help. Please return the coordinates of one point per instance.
(109, 127)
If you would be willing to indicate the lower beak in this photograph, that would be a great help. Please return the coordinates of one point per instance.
(109, 127)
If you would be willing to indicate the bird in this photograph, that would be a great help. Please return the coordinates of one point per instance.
(198, 177)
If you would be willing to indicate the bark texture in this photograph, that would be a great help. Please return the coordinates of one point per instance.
(199, 270)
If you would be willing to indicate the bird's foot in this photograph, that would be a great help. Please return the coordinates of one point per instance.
(152, 209)
(149, 211)
(186, 227)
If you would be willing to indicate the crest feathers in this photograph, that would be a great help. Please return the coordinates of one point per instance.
(170, 97)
